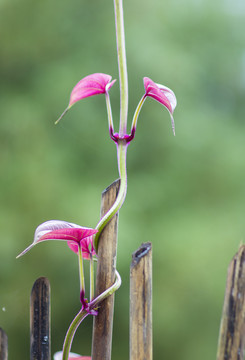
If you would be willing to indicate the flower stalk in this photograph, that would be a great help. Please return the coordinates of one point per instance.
(109, 114)
(122, 66)
(121, 138)
(91, 268)
(121, 153)
(84, 312)
(81, 271)
(71, 332)
(136, 115)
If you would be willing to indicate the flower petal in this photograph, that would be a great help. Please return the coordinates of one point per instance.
(58, 356)
(86, 246)
(51, 225)
(162, 94)
(169, 95)
(59, 230)
(72, 234)
(94, 84)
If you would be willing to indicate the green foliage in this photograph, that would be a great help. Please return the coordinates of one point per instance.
(185, 194)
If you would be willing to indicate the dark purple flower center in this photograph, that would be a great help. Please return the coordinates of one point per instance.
(127, 138)
(86, 305)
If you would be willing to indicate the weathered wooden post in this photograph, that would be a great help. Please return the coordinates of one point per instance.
(232, 327)
(107, 251)
(40, 320)
(141, 303)
(3, 345)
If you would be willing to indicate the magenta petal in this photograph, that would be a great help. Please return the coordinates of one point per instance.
(58, 356)
(52, 225)
(86, 247)
(73, 246)
(94, 84)
(163, 95)
(160, 93)
(109, 85)
(59, 230)
(74, 234)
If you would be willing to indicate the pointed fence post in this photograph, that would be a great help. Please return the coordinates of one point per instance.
(141, 304)
(40, 320)
(107, 251)
(3, 345)
(232, 327)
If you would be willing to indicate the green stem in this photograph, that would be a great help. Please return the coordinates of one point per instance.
(122, 144)
(137, 111)
(93, 304)
(109, 112)
(91, 278)
(83, 313)
(71, 332)
(121, 154)
(81, 272)
(122, 66)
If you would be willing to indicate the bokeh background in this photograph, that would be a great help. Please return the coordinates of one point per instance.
(185, 193)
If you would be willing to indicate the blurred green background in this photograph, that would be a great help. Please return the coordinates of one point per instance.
(185, 193)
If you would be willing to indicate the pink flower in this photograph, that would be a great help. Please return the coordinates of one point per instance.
(93, 84)
(163, 95)
(62, 230)
(86, 245)
(58, 356)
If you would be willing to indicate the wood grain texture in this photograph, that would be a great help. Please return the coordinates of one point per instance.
(107, 252)
(40, 320)
(3, 345)
(141, 304)
(232, 327)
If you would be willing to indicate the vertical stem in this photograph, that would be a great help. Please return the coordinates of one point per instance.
(71, 332)
(136, 114)
(109, 112)
(81, 272)
(141, 304)
(113, 209)
(122, 66)
(40, 320)
(91, 267)
(3, 345)
(122, 167)
(232, 327)
(106, 268)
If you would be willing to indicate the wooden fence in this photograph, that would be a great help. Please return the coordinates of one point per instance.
(140, 318)
(140, 305)
(232, 328)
